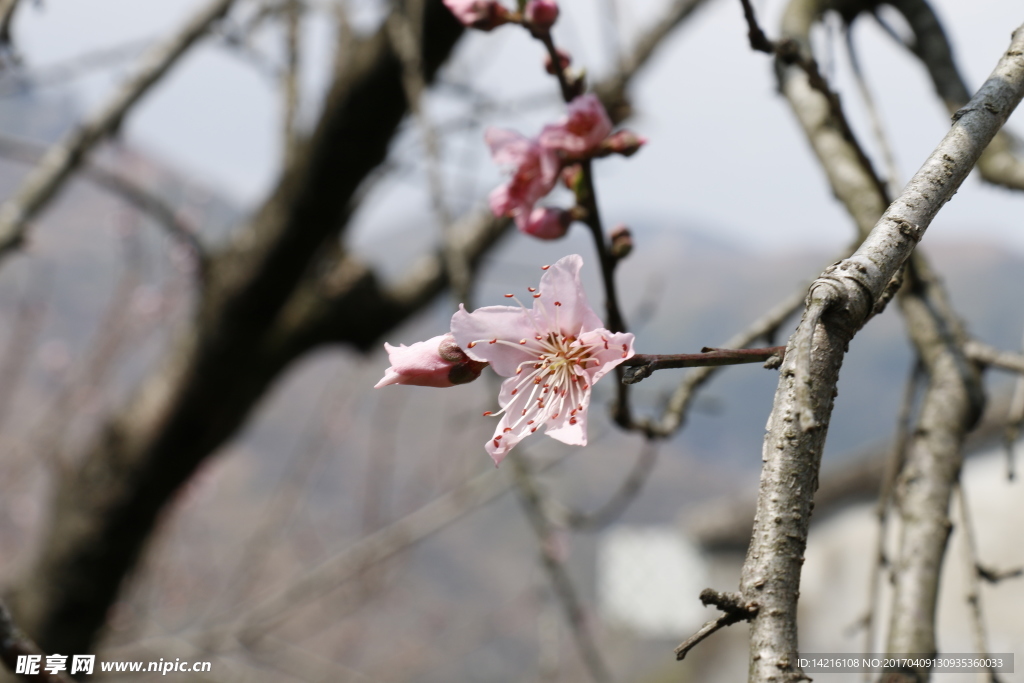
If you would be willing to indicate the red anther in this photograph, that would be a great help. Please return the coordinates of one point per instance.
(493, 341)
(496, 444)
(558, 303)
(506, 430)
(519, 370)
(554, 416)
(488, 414)
(531, 422)
(547, 385)
(471, 344)
(624, 353)
(537, 381)
(509, 296)
(533, 429)
(540, 403)
(536, 296)
(524, 412)
(531, 290)
(544, 267)
(522, 341)
(538, 337)
(497, 437)
(572, 420)
(515, 391)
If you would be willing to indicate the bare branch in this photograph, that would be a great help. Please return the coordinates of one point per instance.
(1001, 163)
(845, 295)
(14, 643)
(735, 612)
(64, 157)
(985, 354)
(643, 365)
(561, 581)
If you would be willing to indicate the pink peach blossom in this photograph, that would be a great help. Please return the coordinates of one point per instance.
(535, 171)
(582, 131)
(551, 354)
(480, 14)
(437, 362)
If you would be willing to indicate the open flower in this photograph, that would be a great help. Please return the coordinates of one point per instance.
(534, 174)
(437, 362)
(480, 14)
(582, 131)
(552, 354)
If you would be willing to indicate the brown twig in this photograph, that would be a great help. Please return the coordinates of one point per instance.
(642, 366)
(735, 612)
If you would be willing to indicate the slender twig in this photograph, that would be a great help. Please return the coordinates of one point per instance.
(735, 612)
(613, 508)
(969, 549)
(643, 365)
(56, 166)
(291, 77)
(1014, 423)
(893, 465)
(990, 356)
(561, 581)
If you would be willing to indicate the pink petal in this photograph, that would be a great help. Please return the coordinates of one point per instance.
(474, 333)
(561, 283)
(612, 349)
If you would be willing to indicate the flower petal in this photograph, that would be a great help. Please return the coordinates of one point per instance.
(481, 332)
(561, 283)
(610, 349)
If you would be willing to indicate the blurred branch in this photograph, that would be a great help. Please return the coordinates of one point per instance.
(612, 90)
(723, 525)
(1001, 163)
(1014, 423)
(985, 354)
(7, 9)
(14, 643)
(56, 166)
(560, 515)
(561, 581)
(969, 553)
(131, 193)
(292, 73)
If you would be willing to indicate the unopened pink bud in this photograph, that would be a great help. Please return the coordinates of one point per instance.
(547, 224)
(564, 60)
(437, 362)
(479, 14)
(624, 142)
(541, 14)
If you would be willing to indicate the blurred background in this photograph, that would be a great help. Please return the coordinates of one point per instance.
(346, 533)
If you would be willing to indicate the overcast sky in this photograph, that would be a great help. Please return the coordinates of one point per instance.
(725, 154)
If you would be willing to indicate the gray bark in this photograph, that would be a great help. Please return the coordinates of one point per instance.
(838, 304)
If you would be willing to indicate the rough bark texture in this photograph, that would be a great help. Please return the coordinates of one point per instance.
(106, 505)
(838, 305)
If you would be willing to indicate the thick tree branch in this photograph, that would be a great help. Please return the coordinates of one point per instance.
(14, 643)
(838, 304)
(57, 165)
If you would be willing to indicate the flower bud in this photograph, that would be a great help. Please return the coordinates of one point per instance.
(621, 242)
(624, 142)
(564, 60)
(541, 14)
(547, 224)
(437, 362)
(572, 175)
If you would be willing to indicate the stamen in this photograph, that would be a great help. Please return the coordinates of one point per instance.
(488, 413)
(544, 267)
(471, 344)
(531, 290)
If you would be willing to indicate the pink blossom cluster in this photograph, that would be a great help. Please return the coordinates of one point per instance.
(538, 15)
(551, 354)
(584, 133)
